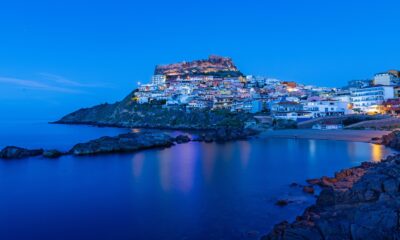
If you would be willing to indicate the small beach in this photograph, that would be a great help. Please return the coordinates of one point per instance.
(340, 135)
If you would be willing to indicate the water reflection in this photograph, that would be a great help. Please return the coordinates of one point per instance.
(185, 167)
(137, 165)
(195, 190)
(165, 165)
(177, 167)
(135, 130)
(208, 161)
(245, 150)
(376, 152)
(312, 149)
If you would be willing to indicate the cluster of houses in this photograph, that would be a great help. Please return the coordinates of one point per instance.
(280, 99)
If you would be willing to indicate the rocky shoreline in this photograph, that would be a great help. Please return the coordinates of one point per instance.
(129, 142)
(357, 203)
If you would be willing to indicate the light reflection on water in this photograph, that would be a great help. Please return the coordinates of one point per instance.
(376, 153)
(189, 191)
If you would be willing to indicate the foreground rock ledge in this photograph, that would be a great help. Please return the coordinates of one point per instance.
(128, 142)
(358, 203)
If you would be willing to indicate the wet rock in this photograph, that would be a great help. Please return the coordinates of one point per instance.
(360, 203)
(308, 189)
(282, 202)
(182, 139)
(12, 152)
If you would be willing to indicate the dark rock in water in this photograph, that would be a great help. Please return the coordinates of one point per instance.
(358, 203)
(124, 143)
(282, 202)
(182, 139)
(52, 153)
(308, 189)
(12, 152)
(313, 181)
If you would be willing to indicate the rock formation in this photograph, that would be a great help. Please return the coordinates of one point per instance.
(128, 142)
(358, 203)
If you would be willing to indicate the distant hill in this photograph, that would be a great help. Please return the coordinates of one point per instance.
(214, 66)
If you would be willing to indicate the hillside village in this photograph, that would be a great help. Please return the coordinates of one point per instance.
(216, 83)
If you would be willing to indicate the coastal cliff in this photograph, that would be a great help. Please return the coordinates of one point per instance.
(127, 113)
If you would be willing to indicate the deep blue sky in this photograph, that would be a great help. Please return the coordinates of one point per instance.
(60, 55)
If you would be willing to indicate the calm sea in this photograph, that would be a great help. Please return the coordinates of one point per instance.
(189, 191)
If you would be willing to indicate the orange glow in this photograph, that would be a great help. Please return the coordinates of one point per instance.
(135, 130)
(376, 153)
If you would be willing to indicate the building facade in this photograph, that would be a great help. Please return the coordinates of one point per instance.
(366, 99)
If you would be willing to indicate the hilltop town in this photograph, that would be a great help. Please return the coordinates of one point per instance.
(209, 93)
(216, 83)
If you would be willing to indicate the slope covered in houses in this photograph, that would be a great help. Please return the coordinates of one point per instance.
(182, 94)
(198, 85)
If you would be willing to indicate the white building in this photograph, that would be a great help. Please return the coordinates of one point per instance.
(366, 99)
(386, 79)
(326, 108)
(327, 126)
(297, 116)
(158, 79)
(342, 96)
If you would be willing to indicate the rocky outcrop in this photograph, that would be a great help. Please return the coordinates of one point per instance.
(123, 143)
(214, 65)
(12, 152)
(358, 203)
(226, 134)
(182, 139)
(392, 140)
(129, 142)
(129, 114)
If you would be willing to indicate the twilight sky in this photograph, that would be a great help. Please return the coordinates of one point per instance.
(56, 56)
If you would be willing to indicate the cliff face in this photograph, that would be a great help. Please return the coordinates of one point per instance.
(214, 65)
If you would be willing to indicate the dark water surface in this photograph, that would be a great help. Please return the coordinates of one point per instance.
(189, 191)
